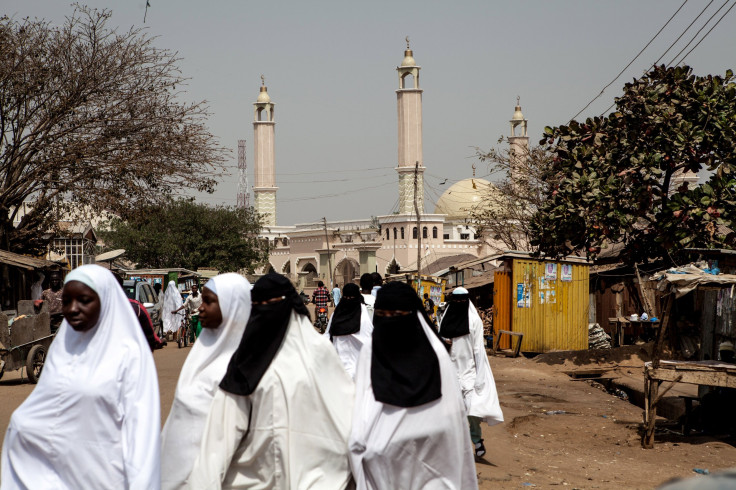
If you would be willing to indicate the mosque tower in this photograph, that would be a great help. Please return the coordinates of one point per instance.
(264, 190)
(409, 102)
(518, 143)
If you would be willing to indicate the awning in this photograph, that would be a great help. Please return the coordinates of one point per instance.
(25, 262)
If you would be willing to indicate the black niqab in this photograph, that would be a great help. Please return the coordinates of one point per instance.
(263, 334)
(346, 318)
(405, 371)
(455, 321)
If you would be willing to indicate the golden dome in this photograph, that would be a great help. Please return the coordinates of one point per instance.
(518, 116)
(263, 97)
(408, 59)
(463, 197)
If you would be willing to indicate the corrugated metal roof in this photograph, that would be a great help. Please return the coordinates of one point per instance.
(25, 262)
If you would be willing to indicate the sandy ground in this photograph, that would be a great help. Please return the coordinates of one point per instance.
(594, 445)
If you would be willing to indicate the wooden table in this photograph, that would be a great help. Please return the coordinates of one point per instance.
(706, 373)
(621, 324)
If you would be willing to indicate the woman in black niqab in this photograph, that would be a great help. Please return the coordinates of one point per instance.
(274, 298)
(346, 318)
(455, 321)
(405, 371)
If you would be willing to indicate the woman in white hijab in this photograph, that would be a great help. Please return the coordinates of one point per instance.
(349, 327)
(224, 313)
(409, 427)
(93, 419)
(172, 301)
(462, 327)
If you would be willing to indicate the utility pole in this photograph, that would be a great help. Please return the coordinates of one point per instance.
(329, 257)
(419, 225)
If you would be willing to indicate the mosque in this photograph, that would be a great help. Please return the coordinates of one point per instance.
(340, 251)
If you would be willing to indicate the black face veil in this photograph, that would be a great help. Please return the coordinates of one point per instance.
(405, 370)
(346, 318)
(264, 333)
(455, 321)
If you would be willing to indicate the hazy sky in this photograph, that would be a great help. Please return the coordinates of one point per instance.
(330, 67)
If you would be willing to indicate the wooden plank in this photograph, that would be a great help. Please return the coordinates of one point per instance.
(715, 378)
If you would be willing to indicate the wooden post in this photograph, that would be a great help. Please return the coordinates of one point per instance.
(651, 386)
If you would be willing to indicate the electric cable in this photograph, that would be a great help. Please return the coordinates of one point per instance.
(630, 62)
(699, 31)
(709, 31)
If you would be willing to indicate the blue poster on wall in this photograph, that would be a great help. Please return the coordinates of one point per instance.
(520, 295)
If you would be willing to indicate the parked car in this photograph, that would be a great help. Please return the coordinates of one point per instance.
(142, 291)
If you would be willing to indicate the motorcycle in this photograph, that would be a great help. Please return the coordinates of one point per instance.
(321, 322)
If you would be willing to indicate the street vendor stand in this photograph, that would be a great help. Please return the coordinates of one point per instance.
(676, 283)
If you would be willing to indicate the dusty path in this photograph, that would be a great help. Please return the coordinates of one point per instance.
(594, 445)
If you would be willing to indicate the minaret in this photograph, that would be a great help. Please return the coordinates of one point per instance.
(409, 102)
(518, 143)
(264, 190)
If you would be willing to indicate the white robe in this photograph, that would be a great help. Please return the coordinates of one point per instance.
(291, 432)
(93, 420)
(348, 346)
(468, 354)
(172, 301)
(426, 447)
(370, 302)
(199, 379)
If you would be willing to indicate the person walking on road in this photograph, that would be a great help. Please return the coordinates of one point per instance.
(336, 295)
(462, 328)
(409, 428)
(93, 420)
(366, 285)
(282, 415)
(224, 312)
(350, 327)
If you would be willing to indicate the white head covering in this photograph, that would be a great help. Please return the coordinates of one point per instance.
(172, 301)
(93, 419)
(200, 376)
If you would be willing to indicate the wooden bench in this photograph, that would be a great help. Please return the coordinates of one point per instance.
(515, 350)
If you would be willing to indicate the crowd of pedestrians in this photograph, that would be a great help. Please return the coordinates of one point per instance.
(381, 400)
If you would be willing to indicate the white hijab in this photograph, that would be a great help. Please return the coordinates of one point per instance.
(93, 419)
(172, 301)
(200, 376)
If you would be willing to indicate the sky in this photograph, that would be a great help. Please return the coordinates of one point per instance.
(330, 68)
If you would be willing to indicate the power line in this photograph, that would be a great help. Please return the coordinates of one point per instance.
(709, 31)
(680, 36)
(630, 62)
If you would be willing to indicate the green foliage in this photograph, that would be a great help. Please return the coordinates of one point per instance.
(615, 175)
(185, 234)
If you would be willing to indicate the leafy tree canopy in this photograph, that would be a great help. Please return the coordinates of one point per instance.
(185, 234)
(90, 119)
(614, 177)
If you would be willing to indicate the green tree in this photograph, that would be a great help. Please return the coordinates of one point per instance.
(90, 119)
(185, 234)
(614, 176)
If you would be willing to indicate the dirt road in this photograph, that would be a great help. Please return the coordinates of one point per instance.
(595, 444)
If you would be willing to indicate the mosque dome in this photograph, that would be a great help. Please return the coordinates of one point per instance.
(518, 116)
(463, 197)
(408, 59)
(263, 97)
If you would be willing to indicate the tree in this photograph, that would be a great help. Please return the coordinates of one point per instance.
(615, 175)
(185, 234)
(90, 118)
(505, 212)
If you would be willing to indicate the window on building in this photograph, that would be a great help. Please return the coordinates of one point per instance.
(414, 233)
(402, 232)
(434, 232)
(424, 232)
(395, 233)
(388, 233)
(464, 236)
(446, 236)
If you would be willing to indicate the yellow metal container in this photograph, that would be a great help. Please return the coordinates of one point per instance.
(549, 304)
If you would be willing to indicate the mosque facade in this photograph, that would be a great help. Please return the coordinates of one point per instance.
(340, 251)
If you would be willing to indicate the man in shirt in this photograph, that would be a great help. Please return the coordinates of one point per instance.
(336, 294)
(192, 304)
(429, 307)
(52, 298)
(321, 296)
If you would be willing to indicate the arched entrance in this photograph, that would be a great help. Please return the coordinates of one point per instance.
(307, 276)
(347, 271)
